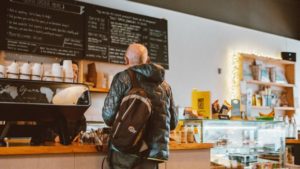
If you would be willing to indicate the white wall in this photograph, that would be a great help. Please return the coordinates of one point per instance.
(197, 48)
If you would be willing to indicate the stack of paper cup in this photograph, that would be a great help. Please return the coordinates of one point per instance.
(37, 71)
(57, 72)
(2, 71)
(68, 71)
(13, 71)
(25, 71)
(47, 76)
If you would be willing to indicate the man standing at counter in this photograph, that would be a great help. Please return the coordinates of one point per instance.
(163, 118)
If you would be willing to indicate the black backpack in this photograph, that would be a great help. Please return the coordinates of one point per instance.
(134, 112)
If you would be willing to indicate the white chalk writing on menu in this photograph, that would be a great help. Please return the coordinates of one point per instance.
(110, 31)
(45, 27)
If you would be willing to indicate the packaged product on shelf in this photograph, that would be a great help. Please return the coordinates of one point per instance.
(247, 73)
(283, 100)
(236, 108)
(272, 74)
(274, 100)
(258, 100)
(256, 71)
(215, 107)
(265, 74)
(226, 107)
(201, 103)
(280, 77)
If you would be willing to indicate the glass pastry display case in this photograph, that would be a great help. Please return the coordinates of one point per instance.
(245, 144)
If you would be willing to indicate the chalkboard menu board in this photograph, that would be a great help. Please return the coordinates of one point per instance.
(44, 27)
(77, 30)
(109, 31)
(2, 25)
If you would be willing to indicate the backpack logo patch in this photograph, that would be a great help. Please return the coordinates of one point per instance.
(131, 129)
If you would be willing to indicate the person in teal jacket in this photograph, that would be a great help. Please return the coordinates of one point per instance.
(151, 77)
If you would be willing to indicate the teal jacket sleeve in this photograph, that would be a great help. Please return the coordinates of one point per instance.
(173, 111)
(119, 86)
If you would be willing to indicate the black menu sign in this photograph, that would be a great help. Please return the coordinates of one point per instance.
(45, 27)
(110, 31)
(73, 29)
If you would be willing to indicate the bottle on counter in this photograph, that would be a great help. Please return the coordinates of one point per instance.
(290, 127)
(293, 128)
(287, 126)
(190, 134)
(197, 134)
(183, 134)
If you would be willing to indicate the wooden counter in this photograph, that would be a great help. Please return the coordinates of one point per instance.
(191, 155)
(82, 148)
(53, 149)
(292, 141)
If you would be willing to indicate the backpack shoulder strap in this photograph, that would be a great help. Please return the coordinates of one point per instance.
(133, 80)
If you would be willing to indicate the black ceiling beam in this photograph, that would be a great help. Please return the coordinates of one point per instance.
(280, 17)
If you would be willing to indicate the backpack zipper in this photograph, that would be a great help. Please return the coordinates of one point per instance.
(128, 109)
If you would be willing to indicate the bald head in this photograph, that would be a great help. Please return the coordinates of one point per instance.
(136, 54)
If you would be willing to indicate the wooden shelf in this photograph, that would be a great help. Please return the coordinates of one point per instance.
(285, 108)
(285, 67)
(99, 90)
(269, 83)
(276, 108)
(268, 59)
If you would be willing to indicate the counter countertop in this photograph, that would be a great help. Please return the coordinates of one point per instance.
(82, 148)
(51, 149)
(190, 146)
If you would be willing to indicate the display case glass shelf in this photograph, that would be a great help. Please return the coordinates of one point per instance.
(245, 143)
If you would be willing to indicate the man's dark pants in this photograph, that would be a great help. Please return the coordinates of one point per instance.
(125, 161)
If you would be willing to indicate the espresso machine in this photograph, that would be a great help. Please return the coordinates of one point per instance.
(36, 108)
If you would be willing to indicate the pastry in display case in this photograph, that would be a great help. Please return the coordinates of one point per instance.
(250, 144)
